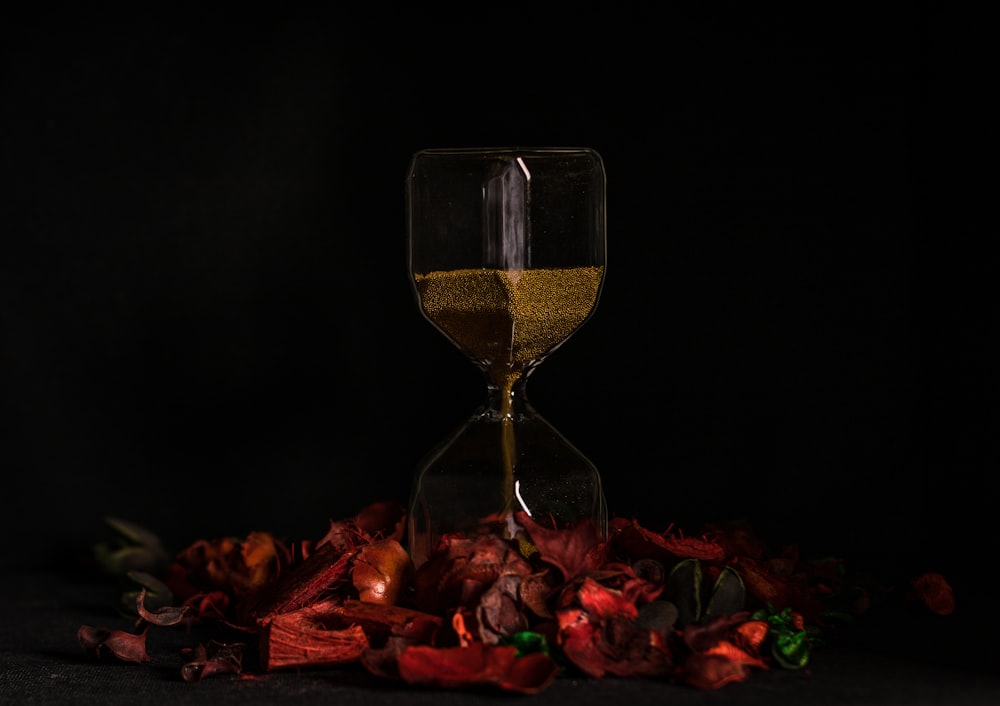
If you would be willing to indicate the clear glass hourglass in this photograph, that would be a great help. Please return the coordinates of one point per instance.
(506, 250)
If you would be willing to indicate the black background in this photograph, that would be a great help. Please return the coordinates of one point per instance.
(207, 327)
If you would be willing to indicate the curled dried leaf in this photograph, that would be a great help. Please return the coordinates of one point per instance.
(126, 646)
(167, 615)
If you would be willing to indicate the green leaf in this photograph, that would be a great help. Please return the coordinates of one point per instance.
(791, 650)
(528, 642)
(728, 594)
(684, 591)
(134, 548)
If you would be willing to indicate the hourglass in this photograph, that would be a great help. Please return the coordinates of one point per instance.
(506, 255)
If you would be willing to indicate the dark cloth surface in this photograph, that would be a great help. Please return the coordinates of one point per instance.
(923, 660)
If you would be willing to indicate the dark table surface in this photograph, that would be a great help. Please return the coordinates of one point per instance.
(894, 658)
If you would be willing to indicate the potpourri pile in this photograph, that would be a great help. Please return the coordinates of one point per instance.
(483, 611)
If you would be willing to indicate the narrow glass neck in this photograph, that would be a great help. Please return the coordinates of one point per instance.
(508, 398)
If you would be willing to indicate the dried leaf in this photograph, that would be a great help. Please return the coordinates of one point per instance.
(935, 592)
(463, 569)
(475, 666)
(574, 550)
(684, 591)
(637, 542)
(712, 671)
(603, 636)
(126, 646)
(167, 615)
(728, 595)
(134, 548)
(660, 616)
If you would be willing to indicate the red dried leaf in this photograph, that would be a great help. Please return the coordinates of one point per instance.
(463, 569)
(614, 645)
(126, 646)
(602, 602)
(711, 671)
(701, 637)
(734, 653)
(723, 651)
(736, 539)
(640, 591)
(240, 569)
(535, 592)
(573, 550)
(601, 637)
(477, 665)
(263, 558)
(751, 635)
(637, 542)
(935, 592)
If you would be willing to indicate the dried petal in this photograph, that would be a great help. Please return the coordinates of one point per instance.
(751, 635)
(603, 602)
(701, 637)
(936, 593)
(711, 671)
(535, 592)
(603, 636)
(462, 570)
(734, 653)
(263, 557)
(499, 613)
(168, 615)
(574, 550)
(126, 646)
(477, 665)
(637, 542)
